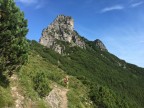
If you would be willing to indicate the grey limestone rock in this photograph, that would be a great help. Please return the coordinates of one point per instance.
(62, 29)
(100, 45)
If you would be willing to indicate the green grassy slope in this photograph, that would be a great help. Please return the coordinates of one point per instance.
(97, 79)
(36, 67)
(100, 70)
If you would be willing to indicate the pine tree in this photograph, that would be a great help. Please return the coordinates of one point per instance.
(13, 43)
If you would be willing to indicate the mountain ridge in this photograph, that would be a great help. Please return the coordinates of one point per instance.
(94, 63)
(62, 29)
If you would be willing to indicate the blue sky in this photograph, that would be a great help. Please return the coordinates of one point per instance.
(118, 23)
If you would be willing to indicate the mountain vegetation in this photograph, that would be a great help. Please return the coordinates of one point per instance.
(97, 78)
(110, 82)
(13, 29)
(13, 45)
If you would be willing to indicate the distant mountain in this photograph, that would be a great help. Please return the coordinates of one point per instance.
(62, 29)
(111, 82)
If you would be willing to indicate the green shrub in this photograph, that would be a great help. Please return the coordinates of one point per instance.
(41, 84)
(105, 98)
(6, 99)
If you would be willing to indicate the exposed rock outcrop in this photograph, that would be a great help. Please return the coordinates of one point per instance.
(57, 98)
(62, 29)
(100, 45)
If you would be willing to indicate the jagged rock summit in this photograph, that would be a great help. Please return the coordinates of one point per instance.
(100, 45)
(62, 29)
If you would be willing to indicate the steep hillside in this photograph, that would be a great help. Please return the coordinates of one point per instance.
(43, 82)
(96, 79)
(40, 84)
(112, 81)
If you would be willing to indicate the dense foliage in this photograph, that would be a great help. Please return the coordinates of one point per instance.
(41, 84)
(13, 44)
(37, 78)
(112, 82)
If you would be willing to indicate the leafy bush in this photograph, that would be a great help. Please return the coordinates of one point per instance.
(105, 98)
(41, 85)
(5, 98)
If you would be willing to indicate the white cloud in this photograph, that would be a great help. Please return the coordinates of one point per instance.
(116, 7)
(131, 1)
(136, 4)
(27, 2)
(89, 1)
(37, 4)
(141, 42)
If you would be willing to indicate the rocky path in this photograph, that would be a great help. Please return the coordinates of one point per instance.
(57, 98)
(18, 98)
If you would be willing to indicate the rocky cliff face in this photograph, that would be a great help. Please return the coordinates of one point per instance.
(62, 29)
(100, 45)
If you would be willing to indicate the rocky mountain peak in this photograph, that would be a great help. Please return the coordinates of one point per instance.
(66, 22)
(61, 29)
(100, 45)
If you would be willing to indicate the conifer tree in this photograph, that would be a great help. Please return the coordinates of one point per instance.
(13, 43)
